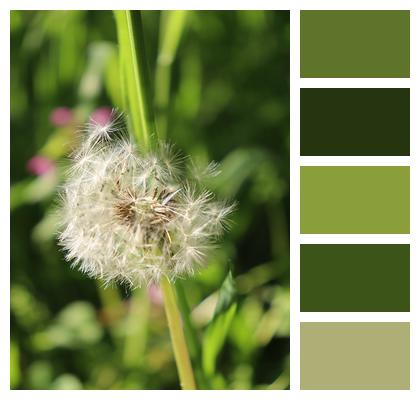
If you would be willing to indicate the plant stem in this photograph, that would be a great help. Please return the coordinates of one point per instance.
(179, 345)
(191, 336)
(136, 86)
(136, 81)
(190, 333)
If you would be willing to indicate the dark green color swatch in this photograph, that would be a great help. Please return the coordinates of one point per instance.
(355, 200)
(355, 44)
(355, 277)
(355, 122)
(355, 355)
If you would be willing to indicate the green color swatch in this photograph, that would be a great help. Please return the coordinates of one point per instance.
(355, 44)
(355, 277)
(355, 200)
(355, 355)
(355, 122)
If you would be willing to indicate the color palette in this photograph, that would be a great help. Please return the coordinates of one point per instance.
(372, 196)
(355, 122)
(355, 44)
(355, 199)
(355, 355)
(355, 277)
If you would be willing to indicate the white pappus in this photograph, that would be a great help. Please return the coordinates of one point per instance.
(134, 217)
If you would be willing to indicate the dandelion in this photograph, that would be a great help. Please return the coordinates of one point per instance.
(133, 217)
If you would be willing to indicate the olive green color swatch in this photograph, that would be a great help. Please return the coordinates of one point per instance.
(347, 200)
(355, 355)
(355, 122)
(355, 44)
(355, 278)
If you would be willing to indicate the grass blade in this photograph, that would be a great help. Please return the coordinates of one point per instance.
(136, 80)
(217, 330)
(172, 24)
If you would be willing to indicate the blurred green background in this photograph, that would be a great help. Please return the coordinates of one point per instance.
(221, 93)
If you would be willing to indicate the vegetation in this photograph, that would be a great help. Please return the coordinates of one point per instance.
(220, 89)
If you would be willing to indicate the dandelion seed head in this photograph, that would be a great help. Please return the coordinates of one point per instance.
(133, 217)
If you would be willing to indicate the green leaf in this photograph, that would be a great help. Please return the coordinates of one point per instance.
(112, 80)
(135, 75)
(216, 332)
(172, 24)
(238, 166)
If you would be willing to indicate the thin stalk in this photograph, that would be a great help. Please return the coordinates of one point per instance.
(136, 83)
(190, 333)
(182, 358)
(137, 88)
(191, 336)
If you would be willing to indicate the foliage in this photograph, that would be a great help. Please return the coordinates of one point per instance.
(221, 92)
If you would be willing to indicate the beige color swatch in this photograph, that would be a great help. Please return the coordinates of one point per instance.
(355, 355)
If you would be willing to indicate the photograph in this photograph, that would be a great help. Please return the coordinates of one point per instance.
(149, 200)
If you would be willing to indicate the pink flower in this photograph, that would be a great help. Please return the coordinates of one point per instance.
(61, 116)
(102, 115)
(40, 165)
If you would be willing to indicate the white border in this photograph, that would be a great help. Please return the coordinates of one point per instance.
(355, 160)
(354, 239)
(4, 199)
(296, 238)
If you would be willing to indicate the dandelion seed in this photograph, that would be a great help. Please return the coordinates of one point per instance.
(132, 217)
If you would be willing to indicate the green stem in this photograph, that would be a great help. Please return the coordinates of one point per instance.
(136, 80)
(190, 333)
(191, 336)
(137, 88)
(182, 358)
